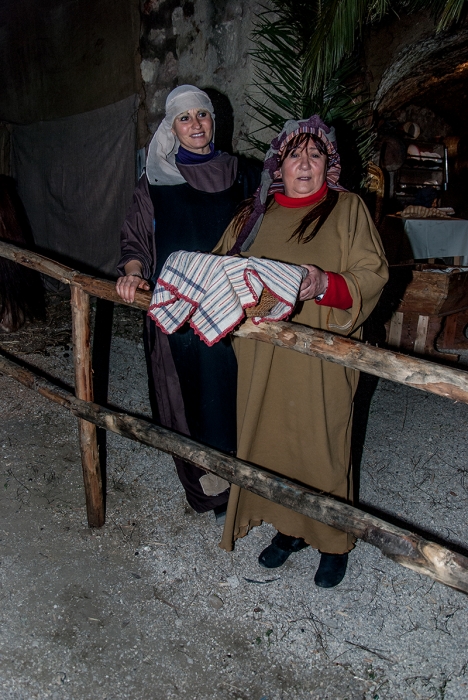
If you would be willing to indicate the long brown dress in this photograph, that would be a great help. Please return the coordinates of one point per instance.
(294, 412)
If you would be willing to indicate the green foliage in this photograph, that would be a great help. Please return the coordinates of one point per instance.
(306, 61)
(338, 27)
(282, 36)
(451, 13)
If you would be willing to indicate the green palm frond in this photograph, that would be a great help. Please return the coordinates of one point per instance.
(339, 26)
(281, 92)
(451, 13)
(278, 66)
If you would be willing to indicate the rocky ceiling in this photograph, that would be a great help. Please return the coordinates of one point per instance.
(432, 73)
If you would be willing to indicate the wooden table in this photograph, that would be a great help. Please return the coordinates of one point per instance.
(425, 239)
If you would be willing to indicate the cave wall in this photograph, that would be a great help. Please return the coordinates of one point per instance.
(64, 57)
(205, 43)
(385, 42)
(415, 74)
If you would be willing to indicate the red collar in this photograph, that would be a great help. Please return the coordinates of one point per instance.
(296, 202)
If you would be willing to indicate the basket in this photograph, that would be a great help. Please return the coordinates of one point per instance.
(265, 304)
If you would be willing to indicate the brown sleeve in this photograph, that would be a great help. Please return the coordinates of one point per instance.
(366, 271)
(137, 235)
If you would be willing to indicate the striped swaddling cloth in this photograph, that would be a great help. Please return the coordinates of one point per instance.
(212, 291)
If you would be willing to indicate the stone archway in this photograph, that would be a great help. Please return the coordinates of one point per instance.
(423, 79)
(432, 73)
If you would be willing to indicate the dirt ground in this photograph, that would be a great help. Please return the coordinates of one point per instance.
(149, 607)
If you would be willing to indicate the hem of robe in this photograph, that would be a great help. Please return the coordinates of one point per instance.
(234, 530)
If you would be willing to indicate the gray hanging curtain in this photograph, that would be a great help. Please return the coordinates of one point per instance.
(75, 177)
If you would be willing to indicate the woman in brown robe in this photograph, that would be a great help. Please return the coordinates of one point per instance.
(294, 412)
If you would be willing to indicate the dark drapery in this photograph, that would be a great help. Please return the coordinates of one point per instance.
(75, 177)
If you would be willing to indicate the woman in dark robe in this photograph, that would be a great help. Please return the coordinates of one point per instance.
(184, 201)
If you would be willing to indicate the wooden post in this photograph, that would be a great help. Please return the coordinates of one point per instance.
(405, 547)
(421, 334)
(92, 476)
(396, 326)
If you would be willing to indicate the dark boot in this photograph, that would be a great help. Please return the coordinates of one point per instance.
(220, 514)
(331, 571)
(279, 550)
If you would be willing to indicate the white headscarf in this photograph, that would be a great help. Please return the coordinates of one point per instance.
(160, 163)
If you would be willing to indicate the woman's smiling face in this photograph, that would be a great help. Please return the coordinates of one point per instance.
(304, 170)
(194, 129)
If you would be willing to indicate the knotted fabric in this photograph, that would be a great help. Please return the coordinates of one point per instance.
(212, 292)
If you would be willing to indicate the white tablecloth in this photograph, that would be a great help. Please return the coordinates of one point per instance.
(438, 238)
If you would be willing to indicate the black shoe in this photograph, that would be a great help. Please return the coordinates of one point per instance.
(279, 550)
(331, 571)
(220, 514)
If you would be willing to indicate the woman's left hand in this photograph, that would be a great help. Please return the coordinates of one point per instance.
(314, 284)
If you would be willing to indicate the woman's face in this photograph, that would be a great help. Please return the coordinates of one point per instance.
(304, 170)
(194, 129)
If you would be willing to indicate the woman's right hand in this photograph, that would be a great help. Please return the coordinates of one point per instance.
(314, 284)
(126, 286)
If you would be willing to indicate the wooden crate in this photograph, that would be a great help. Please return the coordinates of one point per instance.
(436, 291)
(431, 310)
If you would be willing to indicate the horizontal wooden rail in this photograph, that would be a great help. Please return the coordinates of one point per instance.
(404, 547)
(94, 286)
(404, 369)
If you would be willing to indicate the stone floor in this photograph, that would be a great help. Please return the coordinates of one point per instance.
(149, 607)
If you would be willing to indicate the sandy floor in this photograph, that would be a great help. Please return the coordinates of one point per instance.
(149, 606)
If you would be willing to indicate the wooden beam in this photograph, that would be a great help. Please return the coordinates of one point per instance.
(404, 369)
(92, 476)
(93, 285)
(36, 262)
(406, 548)
(411, 371)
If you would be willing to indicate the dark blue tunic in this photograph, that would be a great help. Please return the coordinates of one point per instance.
(188, 219)
(192, 220)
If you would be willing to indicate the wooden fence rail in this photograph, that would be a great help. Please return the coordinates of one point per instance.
(407, 548)
(411, 371)
(402, 546)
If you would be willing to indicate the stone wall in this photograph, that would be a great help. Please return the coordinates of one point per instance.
(205, 43)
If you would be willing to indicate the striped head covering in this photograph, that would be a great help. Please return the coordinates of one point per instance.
(271, 181)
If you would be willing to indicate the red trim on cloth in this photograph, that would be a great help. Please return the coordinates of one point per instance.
(337, 294)
(297, 202)
(181, 295)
